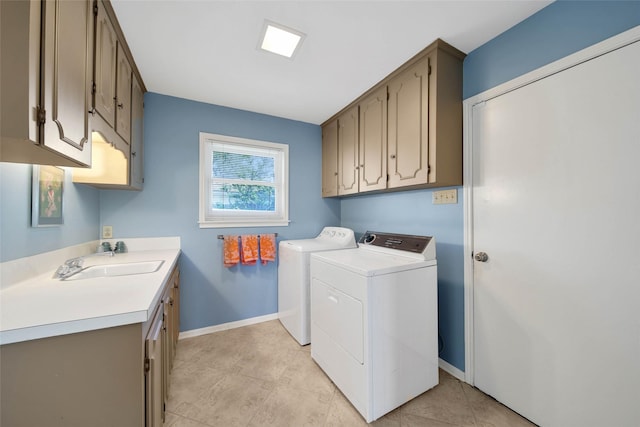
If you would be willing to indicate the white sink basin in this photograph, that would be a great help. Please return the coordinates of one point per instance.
(122, 269)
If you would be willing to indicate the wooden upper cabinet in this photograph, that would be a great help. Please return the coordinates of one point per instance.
(67, 58)
(409, 126)
(112, 77)
(409, 131)
(136, 161)
(330, 159)
(373, 141)
(348, 160)
(105, 68)
(46, 84)
(123, 96)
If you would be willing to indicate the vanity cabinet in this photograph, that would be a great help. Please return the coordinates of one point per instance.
(117, 376)
(46, 75)
(409, 128)
(160, 350)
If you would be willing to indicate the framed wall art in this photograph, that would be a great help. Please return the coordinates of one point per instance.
(47, 195)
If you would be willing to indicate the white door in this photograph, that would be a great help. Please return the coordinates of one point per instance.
(556, 207)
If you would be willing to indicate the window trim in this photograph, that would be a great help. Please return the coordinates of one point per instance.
(242, 218)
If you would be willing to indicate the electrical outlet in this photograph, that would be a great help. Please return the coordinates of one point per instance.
(107, 232)
(443, 197)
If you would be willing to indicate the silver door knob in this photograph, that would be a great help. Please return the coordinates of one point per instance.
(481, 256)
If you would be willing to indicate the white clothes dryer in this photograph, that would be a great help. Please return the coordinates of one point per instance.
(374, 320)
(293, 277)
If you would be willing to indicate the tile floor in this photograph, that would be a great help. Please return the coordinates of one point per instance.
(259, 375)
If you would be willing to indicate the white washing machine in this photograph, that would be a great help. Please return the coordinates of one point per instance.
(374, 320)
(293, 277)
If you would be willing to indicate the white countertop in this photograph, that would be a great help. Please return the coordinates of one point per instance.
(41, 306)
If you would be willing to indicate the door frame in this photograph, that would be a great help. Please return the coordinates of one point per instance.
(598, 49)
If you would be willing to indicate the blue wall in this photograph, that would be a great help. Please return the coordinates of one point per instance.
(168, 205)
(81, 210)
(558, 30)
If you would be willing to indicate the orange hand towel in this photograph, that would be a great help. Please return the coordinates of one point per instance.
(231, 252)
(249, 252)
(267, 247)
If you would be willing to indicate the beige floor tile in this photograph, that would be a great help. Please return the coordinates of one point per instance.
(232, 401)
(173, 420)
(270, 333)
(445, 403)
(189, 382)
(304, 374)
(265, 362)
(293, 407)
(259, 375)
(409, 420)
(342, 413)
(491, 413)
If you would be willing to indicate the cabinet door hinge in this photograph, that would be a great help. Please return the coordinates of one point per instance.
(41, 115)
(93, 88)
(147, 365)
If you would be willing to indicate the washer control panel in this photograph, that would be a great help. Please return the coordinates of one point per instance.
(400, 242)
(337, 234)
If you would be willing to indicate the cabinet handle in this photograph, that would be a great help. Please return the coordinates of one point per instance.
(393, 156)
(133, 154)
(92, 111)
(121, 105)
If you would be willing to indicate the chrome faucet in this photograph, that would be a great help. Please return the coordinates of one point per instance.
(74, 265)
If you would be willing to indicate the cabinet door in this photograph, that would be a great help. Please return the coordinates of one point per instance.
(105, 68)
(409, 127)
(136, 177)
(348, 152)
(123, 96)
(154, 373)
(66, 77)
(330, 159)
(175, 314)
(373, 141)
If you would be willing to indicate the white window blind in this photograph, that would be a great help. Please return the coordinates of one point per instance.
(243, 182)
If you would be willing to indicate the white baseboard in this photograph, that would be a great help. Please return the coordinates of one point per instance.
(225, 326)
(450, 369)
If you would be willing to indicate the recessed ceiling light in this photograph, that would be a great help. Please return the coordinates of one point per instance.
(280, 40)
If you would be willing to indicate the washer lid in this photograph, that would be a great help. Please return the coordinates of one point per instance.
(329, 238)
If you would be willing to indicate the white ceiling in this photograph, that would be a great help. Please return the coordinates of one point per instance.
(206, 50)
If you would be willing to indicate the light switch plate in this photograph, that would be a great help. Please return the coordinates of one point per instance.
(444, 197)
(107, 232)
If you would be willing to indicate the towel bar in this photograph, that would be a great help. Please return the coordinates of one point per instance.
(221, 236)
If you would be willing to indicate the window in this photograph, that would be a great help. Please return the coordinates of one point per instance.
(243, 182)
